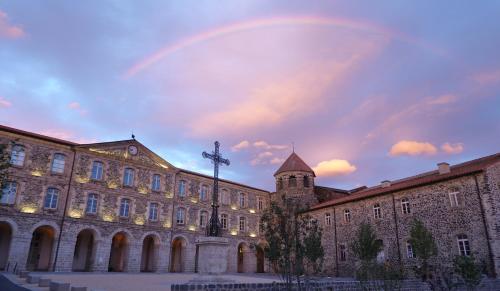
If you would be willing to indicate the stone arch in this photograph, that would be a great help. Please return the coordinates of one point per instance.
(243, 250)
(85, 249)
(130, 237)
(40, 254)
(178, 253)
(119, 252)
(46, 223)
(96, 231)
(260, 255)
(150, 252)
(6, 234)
(11, 223)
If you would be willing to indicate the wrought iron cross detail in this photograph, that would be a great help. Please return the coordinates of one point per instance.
(214, 225)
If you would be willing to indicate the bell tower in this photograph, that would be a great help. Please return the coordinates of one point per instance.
(295, 179)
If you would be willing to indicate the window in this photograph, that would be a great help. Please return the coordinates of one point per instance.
(242, 200)
(292, 182)
(347, 215)
(242, 223)
(409, 251)
(181, 213)
(328, 219)
(225, 197)
(153, 211)
(124, 207)
(377, 214)
(204, 193)
(405, 206)
(156, 183)
(128, 177)
(203, 218)
(97, 170)
(223, 221)
(51, 198)
(280, 184)
(463, 245)
(453, 198)
(182, 188)
(91, 204)
(9, 193)
(343, 252)
(306, 181)
(260, 203)
(58, 163)
(17, 155)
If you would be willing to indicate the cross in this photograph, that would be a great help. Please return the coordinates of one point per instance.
(214, 226)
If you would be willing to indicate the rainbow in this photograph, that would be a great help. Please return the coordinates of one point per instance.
(266, 22)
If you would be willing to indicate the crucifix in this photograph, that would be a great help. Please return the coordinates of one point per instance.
(214, 226)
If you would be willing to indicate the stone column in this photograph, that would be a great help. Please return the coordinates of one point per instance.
(101, 261)
(163, 258)
(134, 257)
(66, 252)
(19, 248)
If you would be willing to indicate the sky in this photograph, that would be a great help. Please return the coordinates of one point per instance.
(365, 91)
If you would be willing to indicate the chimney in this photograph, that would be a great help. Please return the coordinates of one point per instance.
(443, 168)
(385, 183)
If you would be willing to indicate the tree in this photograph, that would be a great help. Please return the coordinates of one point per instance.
(294, 240)
(365, 248)
(468, 270)
(424, 247)
(4, 166)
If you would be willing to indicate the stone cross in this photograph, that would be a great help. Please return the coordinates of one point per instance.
(214, 226)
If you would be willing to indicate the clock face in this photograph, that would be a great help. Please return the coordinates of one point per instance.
(132, 150)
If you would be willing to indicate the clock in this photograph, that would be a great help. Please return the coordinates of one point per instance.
(132, 150)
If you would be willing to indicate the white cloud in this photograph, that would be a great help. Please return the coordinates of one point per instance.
(275, 161)
(412, 148)
(267, 146)
(261, 158)
(455, 148)
(334, 167)
(242, 145)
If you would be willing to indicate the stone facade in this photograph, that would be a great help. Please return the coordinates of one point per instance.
(65, 233)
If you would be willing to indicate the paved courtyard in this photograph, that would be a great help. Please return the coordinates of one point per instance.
(134, 281)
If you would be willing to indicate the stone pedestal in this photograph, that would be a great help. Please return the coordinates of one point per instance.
(212, 255)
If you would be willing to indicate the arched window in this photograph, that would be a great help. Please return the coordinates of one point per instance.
(51, 198)
(405, 206)
(306, 182)
(223, 220)
(97, 171)
(91, 204)
(463, 245)
(128, 177)
(347, 215)
(242, 200)
(242, 222)
(180, 215)
(204, 193)
(17, 155)
(377, 213)
(153, 211)
(182, 188)
(156, 183)
(292, 182)
(328, 219)
(9, 191)
(203, 218)
(124, 207)
(280, 183)
(58, 163)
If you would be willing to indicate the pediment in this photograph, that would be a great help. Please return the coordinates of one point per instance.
(129, 150)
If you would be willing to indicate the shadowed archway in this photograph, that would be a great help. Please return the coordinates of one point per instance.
(40, 252)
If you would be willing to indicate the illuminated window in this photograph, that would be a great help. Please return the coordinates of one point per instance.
(463, 245)
(182, 188)
(128, 177)
(124, 207)
(58, 163)
(51, 198)
(223, 221)
(347, 215)
(17, 155)
(242, 221)
(377, 213)
(153, 211)
(9, 191)
(91, 204)
(97, 170)
(405, 206)
(328, 219)
(156, 183)
(204, 193)
(180, 216)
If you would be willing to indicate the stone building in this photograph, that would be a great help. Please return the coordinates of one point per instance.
(459, 204)
(115, 206)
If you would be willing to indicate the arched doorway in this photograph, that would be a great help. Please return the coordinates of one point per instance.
(83, 257)
(260, 259)
(5, 239)
(118, 257)
(242, 249)
(40, 253)
(178, 255)
(149, 254)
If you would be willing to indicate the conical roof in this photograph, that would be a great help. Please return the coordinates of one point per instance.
(294, 164)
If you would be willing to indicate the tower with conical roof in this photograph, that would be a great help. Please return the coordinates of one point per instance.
(295, 179)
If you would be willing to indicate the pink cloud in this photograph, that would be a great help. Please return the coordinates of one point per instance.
(443, 99)
(267, 146)
(8, 30)
(261, 158)
(412, 148)
(335, 167)
(4, 103)
(77, 107)
(487, 77)
(241, 145)
(455, 148)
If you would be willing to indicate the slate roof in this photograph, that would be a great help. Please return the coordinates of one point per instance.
(294, 164)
